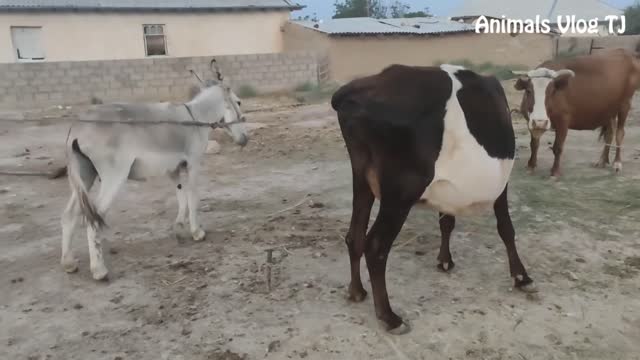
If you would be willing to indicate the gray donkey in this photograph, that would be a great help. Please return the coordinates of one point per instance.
(114, 144)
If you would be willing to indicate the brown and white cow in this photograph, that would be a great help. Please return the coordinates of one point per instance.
(584, 93)
(439, 135)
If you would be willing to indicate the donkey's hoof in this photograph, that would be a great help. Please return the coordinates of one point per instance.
(617, 166)
(100, 273)
(69, 265)
(400, 330)
(181, 232)
(199, 235)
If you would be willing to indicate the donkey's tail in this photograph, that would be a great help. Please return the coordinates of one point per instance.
(79, 163)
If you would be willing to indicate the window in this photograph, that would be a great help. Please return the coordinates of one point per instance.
(27, 43)
(154, 40)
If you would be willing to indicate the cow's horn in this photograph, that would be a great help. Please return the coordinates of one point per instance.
(565, 72)
(519, 72)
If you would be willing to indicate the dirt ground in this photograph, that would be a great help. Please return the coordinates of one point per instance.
(289, 191)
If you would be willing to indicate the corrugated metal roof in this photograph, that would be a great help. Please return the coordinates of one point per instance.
(529, 9)
(156, 5)
(370, 26)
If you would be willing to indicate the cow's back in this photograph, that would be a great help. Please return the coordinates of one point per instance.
(603, 82)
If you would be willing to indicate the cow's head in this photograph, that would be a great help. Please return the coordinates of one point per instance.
(542, 89)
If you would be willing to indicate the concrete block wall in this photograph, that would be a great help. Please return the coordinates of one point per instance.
(38, 85)
(566, 46)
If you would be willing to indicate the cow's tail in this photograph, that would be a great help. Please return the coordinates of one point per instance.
(79, 168)
(603, 133)
(606, 130)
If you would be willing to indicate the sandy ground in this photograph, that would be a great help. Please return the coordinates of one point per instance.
(168, 299)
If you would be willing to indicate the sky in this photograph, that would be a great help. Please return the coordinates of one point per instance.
(325, 9)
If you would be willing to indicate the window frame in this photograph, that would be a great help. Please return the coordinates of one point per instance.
(164, 39)
(16, 48)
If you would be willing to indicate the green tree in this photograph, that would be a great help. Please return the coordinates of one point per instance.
(398, 9)
(632, 15)
(359, 8)
(414, 14)
(313, 18)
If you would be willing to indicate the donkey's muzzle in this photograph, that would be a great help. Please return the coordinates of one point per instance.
(242, 140)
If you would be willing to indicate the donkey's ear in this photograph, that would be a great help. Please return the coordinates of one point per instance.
(216, 70)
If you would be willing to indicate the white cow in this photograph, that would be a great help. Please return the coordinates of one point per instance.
(110, 148)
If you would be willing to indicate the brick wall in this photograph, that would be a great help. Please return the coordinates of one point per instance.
(27, 85)
(567, 46)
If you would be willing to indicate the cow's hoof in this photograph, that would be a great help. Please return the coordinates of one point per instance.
(617, 166)
(400, 330)
(525, 284)
(446, 266)
(531, 170)
(100, 273)
(69, 265)
(357, 295)
(199, 235)
(601, 164)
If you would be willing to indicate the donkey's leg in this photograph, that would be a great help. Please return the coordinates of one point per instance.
(112, 181)
(73, 213)
(193, 201)
(181, 219)
(69, 223)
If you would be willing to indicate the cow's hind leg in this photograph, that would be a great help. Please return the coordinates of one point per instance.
(384, 231)
(607, 136)
(363, 200)
(112, 181)
(447, 224)
(507, 233)
(622, 119)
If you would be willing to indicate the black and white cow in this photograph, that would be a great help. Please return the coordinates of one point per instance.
(436, 135)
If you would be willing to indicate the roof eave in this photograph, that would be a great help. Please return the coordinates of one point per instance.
(143, 9)
(398, 34)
